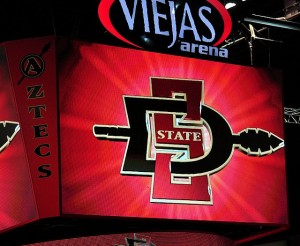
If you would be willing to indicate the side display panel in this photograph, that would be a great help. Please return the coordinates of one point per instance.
(17, 200)
(149, 135)
(32, 66)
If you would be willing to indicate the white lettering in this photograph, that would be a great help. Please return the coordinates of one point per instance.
(179, 22)
(156, 17)
(203, 49)
(187, 14)
(173, 23)
(129, 18)
(145, 16)
(196, 136)
(179, 135)
(170, 134)
(161, 134)
(187, 135)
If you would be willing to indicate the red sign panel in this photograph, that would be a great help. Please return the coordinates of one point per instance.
(150, 135)
(32, 67)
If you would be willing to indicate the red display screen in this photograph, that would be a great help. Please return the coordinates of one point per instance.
(17, 201)
(149, 135)
(29, 175)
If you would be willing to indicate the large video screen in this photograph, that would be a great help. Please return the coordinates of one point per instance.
(150, 135)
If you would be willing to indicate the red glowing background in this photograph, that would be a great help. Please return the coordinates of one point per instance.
(93, 78)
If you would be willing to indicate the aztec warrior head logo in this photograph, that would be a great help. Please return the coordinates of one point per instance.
(8, 130)
(179, 141)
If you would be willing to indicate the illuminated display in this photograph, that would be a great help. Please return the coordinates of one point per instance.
(33, 76)
(149, 135)
(141, 134)
(17, 203)
(191, 27)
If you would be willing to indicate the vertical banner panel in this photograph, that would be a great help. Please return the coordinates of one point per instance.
(17, 201)
(32, 64)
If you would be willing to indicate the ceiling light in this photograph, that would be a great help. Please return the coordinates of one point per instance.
(229, 5)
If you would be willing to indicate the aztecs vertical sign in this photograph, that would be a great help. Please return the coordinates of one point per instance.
(149, 135)
(32, 67)
(28, 132)
(184, 26)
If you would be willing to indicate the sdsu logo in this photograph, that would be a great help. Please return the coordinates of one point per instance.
(179, 141)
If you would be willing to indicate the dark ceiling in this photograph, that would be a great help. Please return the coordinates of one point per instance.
(276, 28)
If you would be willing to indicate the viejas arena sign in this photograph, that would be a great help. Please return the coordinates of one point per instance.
(189, 26)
